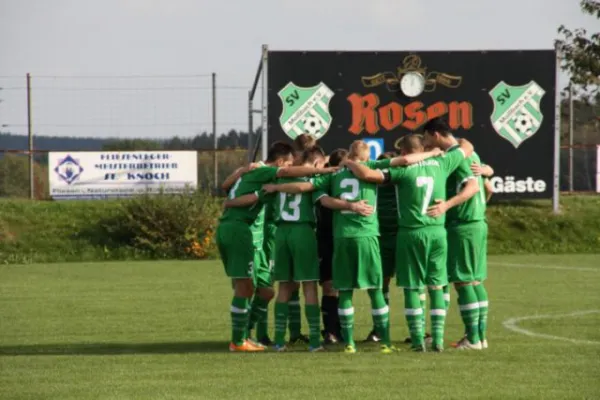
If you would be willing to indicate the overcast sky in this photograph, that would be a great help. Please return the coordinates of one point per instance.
(195, 37)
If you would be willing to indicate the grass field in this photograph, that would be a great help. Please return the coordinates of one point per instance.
(159, 330)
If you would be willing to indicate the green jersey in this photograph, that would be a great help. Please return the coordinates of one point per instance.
(473, 209)
(297, 208)
(419, 185)
(250, 182)
(344, 185)
(387, 210)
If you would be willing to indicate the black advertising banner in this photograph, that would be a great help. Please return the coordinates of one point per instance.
(502, 101)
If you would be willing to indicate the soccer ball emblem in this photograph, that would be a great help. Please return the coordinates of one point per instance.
(312, 125)
(523, 124)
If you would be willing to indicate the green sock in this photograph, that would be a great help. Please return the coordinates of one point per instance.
(258, 315)
(423, 300)
(414, 316)
(482, 298)
(281, 318)
(447, 296)
(295, 315)
(438, 316)
(346, 313)
(239, 319)
(381, 315)
(469, 311)
(313, 316)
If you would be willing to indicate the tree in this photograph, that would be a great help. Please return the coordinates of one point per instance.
(581, 54)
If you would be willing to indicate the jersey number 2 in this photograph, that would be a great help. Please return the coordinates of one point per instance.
(352, 194)
(426, 181)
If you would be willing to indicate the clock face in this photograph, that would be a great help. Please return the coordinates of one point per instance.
(412, 84)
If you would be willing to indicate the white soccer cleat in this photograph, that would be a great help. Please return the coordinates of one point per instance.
(484, 344)
(464, 344)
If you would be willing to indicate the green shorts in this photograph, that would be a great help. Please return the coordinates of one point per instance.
(387, 245)
(269, 243)
(421, 257)
(357, 263)
(296, 255)
(467, 252)
(234, 240)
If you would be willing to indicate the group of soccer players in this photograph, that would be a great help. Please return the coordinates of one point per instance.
(301, 217)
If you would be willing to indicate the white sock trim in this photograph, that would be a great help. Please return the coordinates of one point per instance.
(422, 297)
(413, 311)
(380, 311)
(470, 306)
(236, 310)
(437, 311)
(447, 296)
(483, 304)
(346, 311)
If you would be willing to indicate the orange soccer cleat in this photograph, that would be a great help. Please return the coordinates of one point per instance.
(246, 347)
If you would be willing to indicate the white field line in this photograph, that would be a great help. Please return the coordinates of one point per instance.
(539, 266)
(511, 324)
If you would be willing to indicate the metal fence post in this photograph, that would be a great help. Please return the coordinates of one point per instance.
(30, 135)
(557, 110)
(214, 130)
(571, 126)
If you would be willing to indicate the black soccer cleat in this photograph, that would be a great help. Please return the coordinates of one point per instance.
(299, 339)
(266, 341)
(372, 337)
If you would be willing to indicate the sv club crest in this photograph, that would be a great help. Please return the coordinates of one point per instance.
(305, 110)
(516, 116)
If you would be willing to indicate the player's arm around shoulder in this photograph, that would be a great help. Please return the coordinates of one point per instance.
(235, 175)
(242, 201)
(414, 158)
(359, 207)
(364, 173)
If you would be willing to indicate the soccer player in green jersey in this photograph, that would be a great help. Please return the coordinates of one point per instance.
(356, 257)
(421, 240)
(296, 255)
(467, 235)
(235, 239)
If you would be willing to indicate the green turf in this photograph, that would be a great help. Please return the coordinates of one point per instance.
(159, 330)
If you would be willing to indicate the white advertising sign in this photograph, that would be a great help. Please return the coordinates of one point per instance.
(104, 174)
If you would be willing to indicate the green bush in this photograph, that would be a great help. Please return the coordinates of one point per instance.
(166, 226)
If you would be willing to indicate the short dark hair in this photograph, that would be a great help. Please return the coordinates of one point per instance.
(312, 154)
(304, 141)
(336, 157)
(279, 150)
(437, 125)
(386, 156)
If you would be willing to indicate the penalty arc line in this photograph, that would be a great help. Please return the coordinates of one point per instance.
(511, 325)
(537, 266)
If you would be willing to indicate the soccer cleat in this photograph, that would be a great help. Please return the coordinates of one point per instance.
(256, 344)
(455, 344)
(419, 349)
(266, 341)
(372, 337)
(427, 338)
(464, 344)
(299, 339)
(437, 348)
(316, 349)
(349, 349)
(385, 349)
(329, 338)
(245, 347)
(484, 344)
(280, 349)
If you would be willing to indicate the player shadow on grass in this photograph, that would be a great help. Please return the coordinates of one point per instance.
(114, 348)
